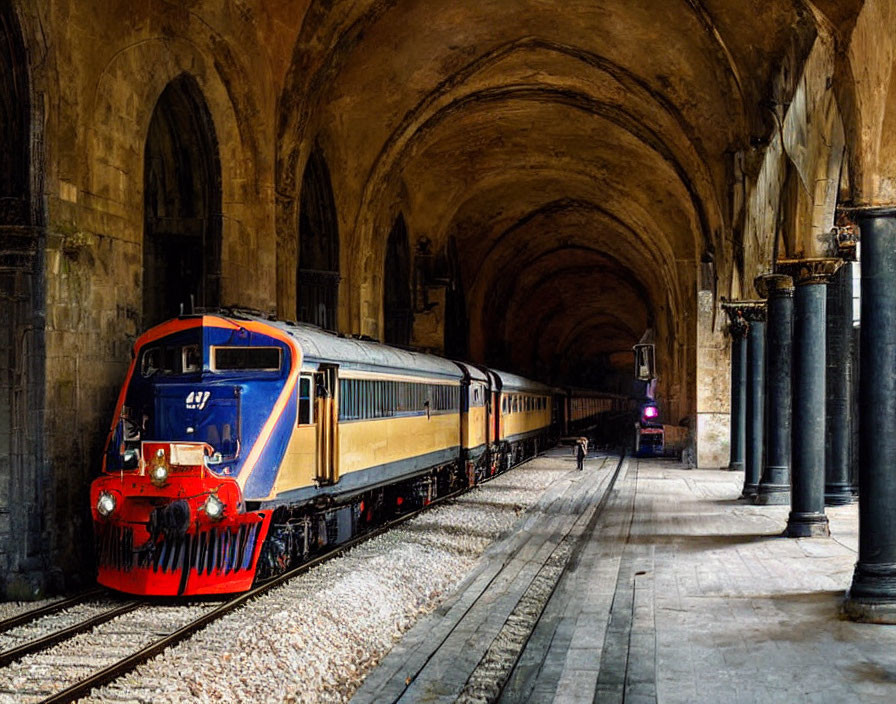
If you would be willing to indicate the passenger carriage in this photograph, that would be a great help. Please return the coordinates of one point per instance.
(241, 445)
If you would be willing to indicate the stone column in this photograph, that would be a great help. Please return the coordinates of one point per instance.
(774, 487)
(837, 487)
(754, 313)
(872, 596)
(738, 328)
(807, 518)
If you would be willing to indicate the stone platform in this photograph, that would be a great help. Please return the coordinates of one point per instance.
(666, 588)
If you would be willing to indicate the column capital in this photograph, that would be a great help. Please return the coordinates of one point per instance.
(774, 285)
(861, 212)
(742, 313)
(812, 270)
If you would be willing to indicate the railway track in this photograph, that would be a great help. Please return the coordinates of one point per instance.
(53, 608)
(151, 626)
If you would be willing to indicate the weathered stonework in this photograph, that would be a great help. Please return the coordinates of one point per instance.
(576, 191)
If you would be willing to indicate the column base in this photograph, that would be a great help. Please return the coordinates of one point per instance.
(736, 467)
(807, 525)
(838, 495)
(749, 491)
(869, 611)
(872, 596)
(772, 495)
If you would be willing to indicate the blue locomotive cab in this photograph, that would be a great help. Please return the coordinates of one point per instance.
(206, 384)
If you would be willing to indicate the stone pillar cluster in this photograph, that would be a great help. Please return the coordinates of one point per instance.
(747, 328)
(792, 385)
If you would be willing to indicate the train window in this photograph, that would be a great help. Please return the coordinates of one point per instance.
(151, 362)
(192, 360)
(306, 406)
(172, 361)
(257, 359)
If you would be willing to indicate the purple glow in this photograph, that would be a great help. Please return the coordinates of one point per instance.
(651, 412)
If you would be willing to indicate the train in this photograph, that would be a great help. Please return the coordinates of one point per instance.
(241, 445)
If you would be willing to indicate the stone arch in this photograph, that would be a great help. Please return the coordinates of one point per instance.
(127, 92)
(689, 168)
(15, 110)
(646, 111)
(398, 315)
(23, 471)
(182, 205)
(317, 277)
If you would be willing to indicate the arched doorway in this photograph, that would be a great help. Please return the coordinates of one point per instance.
(318, 269)
(23, 477)
(397, 312)
(182, 206)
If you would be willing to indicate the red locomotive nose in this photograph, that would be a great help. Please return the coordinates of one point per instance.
(173, 527)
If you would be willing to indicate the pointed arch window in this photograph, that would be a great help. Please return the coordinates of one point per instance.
(15, 152)
(318, 265)
(397, 311)
(182, 205)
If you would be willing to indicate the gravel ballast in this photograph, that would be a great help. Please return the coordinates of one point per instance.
(315, 638)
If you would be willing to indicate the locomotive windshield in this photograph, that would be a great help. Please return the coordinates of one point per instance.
(195, 386)
(168, 399)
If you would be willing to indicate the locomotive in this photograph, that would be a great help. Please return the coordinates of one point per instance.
(241, 445)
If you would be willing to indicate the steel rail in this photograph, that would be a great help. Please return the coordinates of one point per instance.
(122, 667)
(506, 677)
(8, 656)
(572, 559)
(57, 606)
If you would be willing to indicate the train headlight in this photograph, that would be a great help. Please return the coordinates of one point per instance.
(214, 507)
(158, 475)
(650, 412)
(105, 504)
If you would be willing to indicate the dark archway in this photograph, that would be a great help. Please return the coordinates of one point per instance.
(318, 270)
(397, 310)
(15, 156)
(23, 473)
(182, 205)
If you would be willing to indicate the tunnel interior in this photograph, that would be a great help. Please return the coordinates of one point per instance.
(567, 188)
(182, 197)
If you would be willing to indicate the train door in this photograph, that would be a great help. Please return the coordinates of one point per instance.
(326, 382)
(502, 403)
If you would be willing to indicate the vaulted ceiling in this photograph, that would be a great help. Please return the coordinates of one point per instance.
(579, 154)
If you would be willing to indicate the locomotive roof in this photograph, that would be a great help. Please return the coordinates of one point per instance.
(512, 382)
(474, 372)
(323, 346)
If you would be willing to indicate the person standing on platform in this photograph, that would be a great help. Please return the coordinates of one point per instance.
(581, 451)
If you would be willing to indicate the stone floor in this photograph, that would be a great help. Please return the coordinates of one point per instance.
(675, 591)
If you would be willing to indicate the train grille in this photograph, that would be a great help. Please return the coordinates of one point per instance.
(219, 549)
